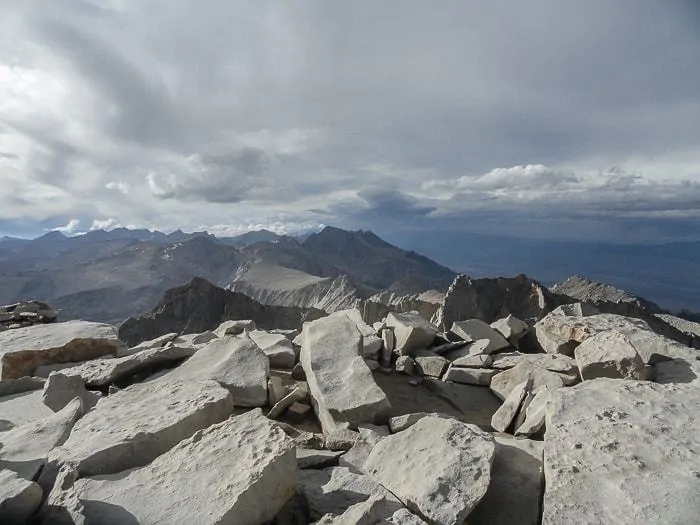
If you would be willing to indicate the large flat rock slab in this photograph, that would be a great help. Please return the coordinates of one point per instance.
(134, 426)
(23, 408)
(241, 471)
(19, 498)
(341, 384)
(622, 452)
(411, 332)
(236, 363)
(439, 468)
(24, 349)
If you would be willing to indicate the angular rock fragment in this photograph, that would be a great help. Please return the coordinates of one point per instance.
(439, 468)
(371, 342)
(510, 327)
(355, 458)
(24, 407)
(25, 448)
(317, 459)
(505, 415)
(503, 383)
(300, 393)
(333, 490)
(23, 384)
(376, 509)
(554, 362)
(405, 365)
(236, 363)
(196, 340)
(469, 376)
(622, 452)
(61, 389)
(341, 438)
(239, 471)
(535, 413)
(388, 343)
(475, 348)
(298, 412)
(24, 349)
(474, 361)
(341, 385)
(475, 329)
(411, 332)
(234, 327)
(399, 423)
(19, 498)
(158, 342)
(278, 349)
(609, 354)
(132, 427)
(430, 364)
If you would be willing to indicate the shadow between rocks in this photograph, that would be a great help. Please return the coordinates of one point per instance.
(100, 512)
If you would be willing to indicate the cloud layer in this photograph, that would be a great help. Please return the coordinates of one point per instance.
(476, 116)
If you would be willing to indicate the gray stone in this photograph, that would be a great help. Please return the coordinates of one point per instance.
(236, 363)
(298, 412)
(62, 506)
(576, 310)
(411, 331)
(355, 458)
(234, 327)
(333, 490)
(622, 452)
(473, 361)
(298, 372)
(475, 329)
(371, 342)
(341, 385)
(430, 364)
(19, 498)
(196, 340)
(239, 471)
(505, 415)
(469, 376)
(388, 344)
(554, 362)
(399, 423)
(24, 407)
(102, 372)
(341, 438)
(405, 517)
(535, 413)
(25, 448)
(510, 327)
(515, 491)
(308, 458)
(61, 389)
(609, 354)
(475, 348)
(276, 390)
(376, 509)
(9, 387)
(158, 342)
(372, 364)
(277, 348)
(439, 468)
(300, 393)
(405, 365)
(24, 349)
(132, 427)
(503, 383)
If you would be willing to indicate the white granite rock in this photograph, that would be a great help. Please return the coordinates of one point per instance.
(333, 490)
(278, 349)
(234, 327)
(355, 458)
(609, 354)
(22, 350)
(102, 372)
(439, 468)
(196, 340)
(402, 422)
(158, 342)
(535, 413)
(240, 471)
(371, 342)
(554, 362)
(411, 332)
(388, 344)
(474, 361)
(24, 407)
(472, 349)
(510, 327)
(475, 329)
(300, 393)
(61, 389)
(622, 452)
(309, 458)
(469, 376)
(505, 415)
(405, 365)
(25, 449)
(374, 510)
(503, 383)
(236, 363)
(19, 498)
(430, 364)
(515, 491)
(132, 427)
(341, 385)
(9, 387)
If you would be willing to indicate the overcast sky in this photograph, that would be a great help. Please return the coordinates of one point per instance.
(558, 118)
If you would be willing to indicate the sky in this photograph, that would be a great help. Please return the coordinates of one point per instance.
(545, 119)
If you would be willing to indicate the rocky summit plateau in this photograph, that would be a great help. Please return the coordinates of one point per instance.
(335, 380)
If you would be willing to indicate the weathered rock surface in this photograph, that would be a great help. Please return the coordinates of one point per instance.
(25, 449)
(355, 458)
(510, 327)
(61, 389)
(278, 349)
(622, 452)
(474, 348)
(505, 415)
(376, 509)
(469, 376)
(402, 422)
(430, 364)
(158, 342)
(341, 385)
(405, 365)
(609, 354)
(24, 407)
(22, 384)
(132, 427)
(474, 361)
(554, 362)
(300, 393)
(235, 327)
(19, 498)
(515, 490)
(102, 372)
(439, 468)
(503, 383)
(317, 459)
(236, 363)
(239, 471)
(535, 413)
(371, 342)
(196, 340)
(24, 349)
(475, 329)
(411, 332)
(333, 490)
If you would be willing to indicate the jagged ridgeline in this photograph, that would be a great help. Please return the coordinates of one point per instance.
(338, 380)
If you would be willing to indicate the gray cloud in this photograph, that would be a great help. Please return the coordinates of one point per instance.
(355, 113)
